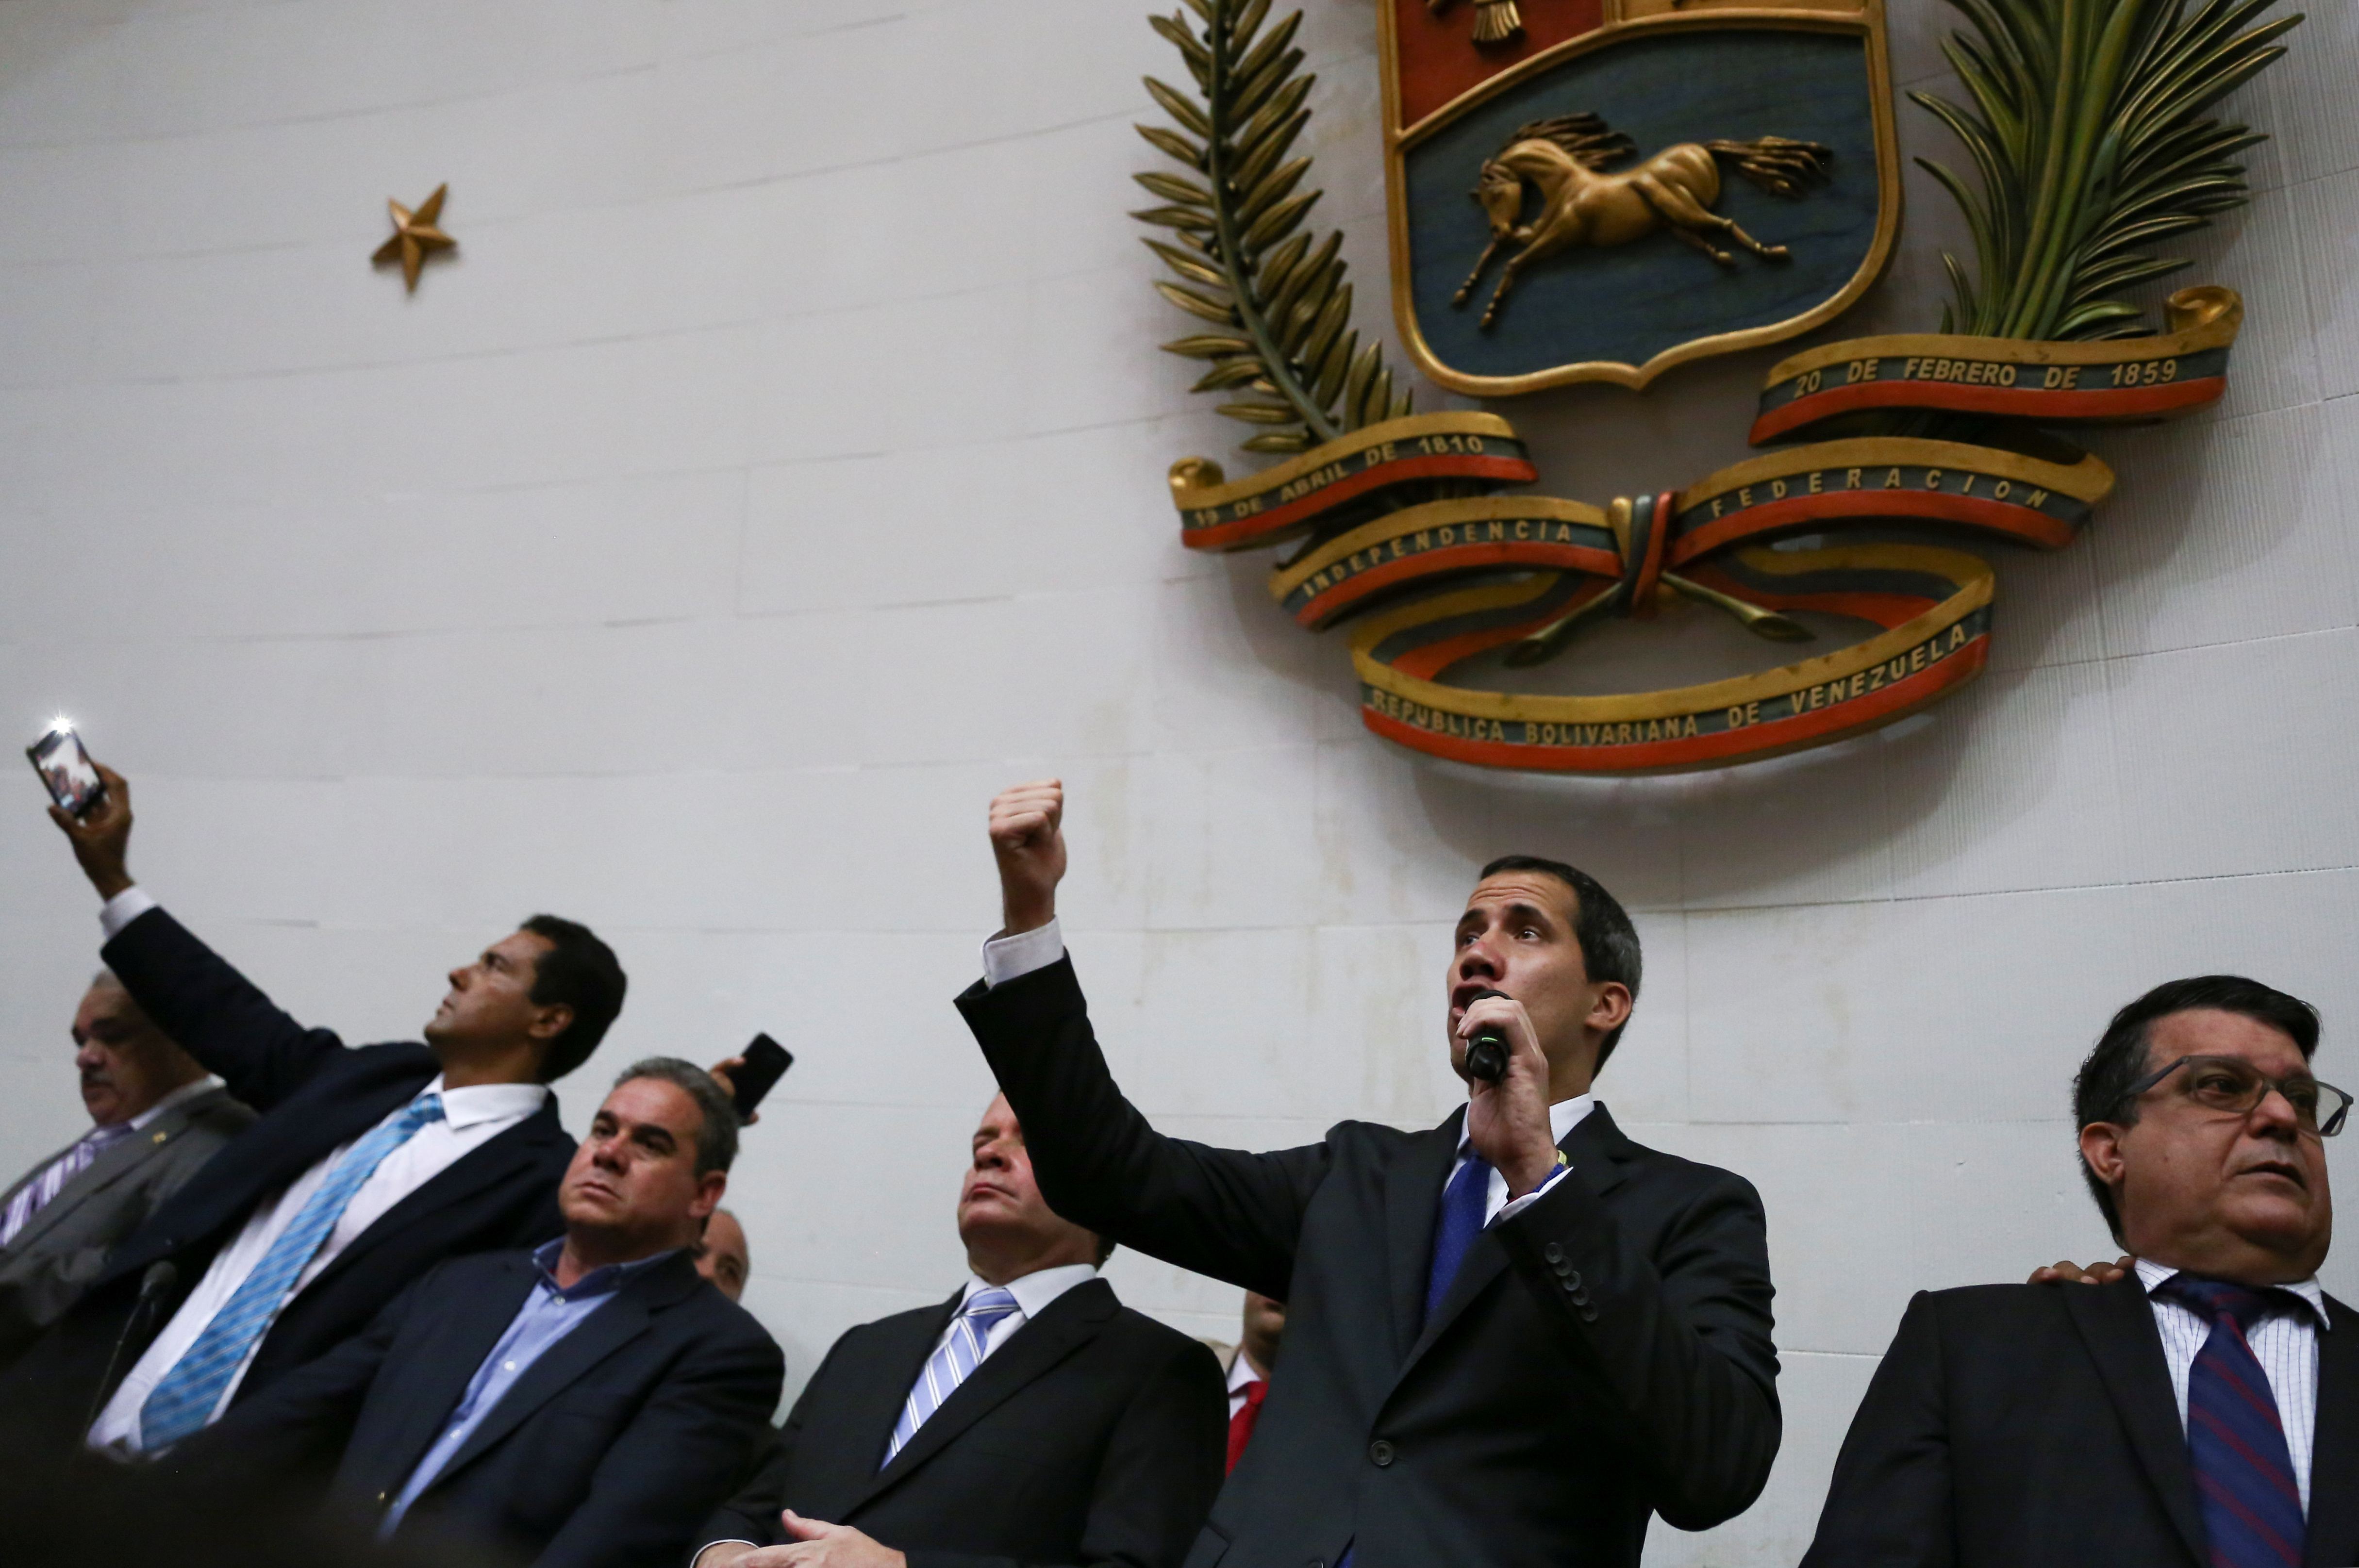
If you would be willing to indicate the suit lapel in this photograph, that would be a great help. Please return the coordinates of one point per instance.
(475, 1171)
(125, 1156)
(458, 1354)
(1598, 1151)
(2333, 1536)
(30, 1177)
(279, 1148)
(111, 1164)
(2117, 1324)
(622, 1319)
(1413, 1184)
(1070, 1321)
(865, 1426)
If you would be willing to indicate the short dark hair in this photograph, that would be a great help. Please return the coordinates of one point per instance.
(2101, 1089)
(716, 1136)
(581, 972)
(1609, 943)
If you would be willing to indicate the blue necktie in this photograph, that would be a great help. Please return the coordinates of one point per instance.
(184, 1401)
(2245, 1483)
(952, 1362)
(1460, 1223)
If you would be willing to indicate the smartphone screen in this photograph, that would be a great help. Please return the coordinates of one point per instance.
(767, 1062)
(66, 768)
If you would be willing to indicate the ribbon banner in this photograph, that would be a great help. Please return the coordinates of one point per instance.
(1409, 533)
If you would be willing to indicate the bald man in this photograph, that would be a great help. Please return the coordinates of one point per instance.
(722, 1257)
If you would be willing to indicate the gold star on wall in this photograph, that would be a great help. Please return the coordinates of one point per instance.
(414, 236)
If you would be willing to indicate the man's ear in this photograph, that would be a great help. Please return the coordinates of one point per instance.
(1611, 1010)
(709, 1188)
(2101, 1146)
(551, 1020)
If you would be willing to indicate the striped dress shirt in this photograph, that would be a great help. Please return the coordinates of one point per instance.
(2285, 1342)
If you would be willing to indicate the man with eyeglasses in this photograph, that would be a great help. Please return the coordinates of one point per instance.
(2199, 1410)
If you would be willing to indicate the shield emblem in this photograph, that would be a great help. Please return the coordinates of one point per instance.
(1599, 189)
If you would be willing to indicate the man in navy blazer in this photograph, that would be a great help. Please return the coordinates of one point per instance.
(1511, 1339)
(582, 1405)
(367, 1168)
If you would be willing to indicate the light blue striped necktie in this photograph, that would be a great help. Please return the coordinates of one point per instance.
(952, 1362)
(184, 1401)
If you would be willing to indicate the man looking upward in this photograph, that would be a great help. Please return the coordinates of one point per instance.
(1509, 1339)
(367, 1166)
(1029, 1419)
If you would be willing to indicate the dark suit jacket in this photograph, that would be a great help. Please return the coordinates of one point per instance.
(64, 1247)
(2024, 1426)
(1094, 1436)
(607, 1452)
(313, 1093)
(1603, 1357)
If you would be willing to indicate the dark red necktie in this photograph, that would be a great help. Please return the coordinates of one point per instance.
(2244, 1484)
(1240, 1424)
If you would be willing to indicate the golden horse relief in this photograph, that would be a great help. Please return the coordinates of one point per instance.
(1565, 158)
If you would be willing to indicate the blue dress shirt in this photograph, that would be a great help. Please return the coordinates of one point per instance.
(549, 1313)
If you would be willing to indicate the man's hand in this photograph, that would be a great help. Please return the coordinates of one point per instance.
(1029, 841)
(723, 1072)
(2094, 1275)
(102, 839)
(815, 1545)
(1508, 1120)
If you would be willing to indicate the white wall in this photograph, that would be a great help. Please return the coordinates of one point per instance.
(779, 470)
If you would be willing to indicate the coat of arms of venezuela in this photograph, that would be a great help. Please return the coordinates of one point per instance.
(1599, 189)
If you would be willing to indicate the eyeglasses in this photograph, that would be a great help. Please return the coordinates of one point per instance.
(2232, 1084)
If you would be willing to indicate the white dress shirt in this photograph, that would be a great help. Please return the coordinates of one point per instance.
(122, 909)
(1241, 1373)
(2285, 1342)
(471, 1117)
(1008, 957)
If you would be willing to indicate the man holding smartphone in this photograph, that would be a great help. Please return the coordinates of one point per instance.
(367, 1168)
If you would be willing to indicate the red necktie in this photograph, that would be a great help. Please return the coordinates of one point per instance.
(1240, 1424)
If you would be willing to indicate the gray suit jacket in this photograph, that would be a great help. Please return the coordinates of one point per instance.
(54, 1258)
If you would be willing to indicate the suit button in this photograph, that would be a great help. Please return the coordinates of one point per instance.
(1588, 1314)
(1381, 1452)
(1569, 1286)
(1552, 1252)
(1580, 1297)
(1574, 1279)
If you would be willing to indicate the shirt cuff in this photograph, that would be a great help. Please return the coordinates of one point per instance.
(122, 909)
(724, 1540)
(1007, 958)
(1515, 1207)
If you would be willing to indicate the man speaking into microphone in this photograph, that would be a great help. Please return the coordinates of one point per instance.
(1511, 1339)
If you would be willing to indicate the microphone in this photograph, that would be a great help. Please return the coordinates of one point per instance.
(157, 1282)
(1486, 1052)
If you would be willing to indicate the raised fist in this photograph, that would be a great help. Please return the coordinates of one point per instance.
(1029, 841)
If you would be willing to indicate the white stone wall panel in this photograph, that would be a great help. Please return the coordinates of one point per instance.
(777, 469)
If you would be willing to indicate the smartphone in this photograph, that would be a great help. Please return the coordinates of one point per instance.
(66, 768)
(767, 1062)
